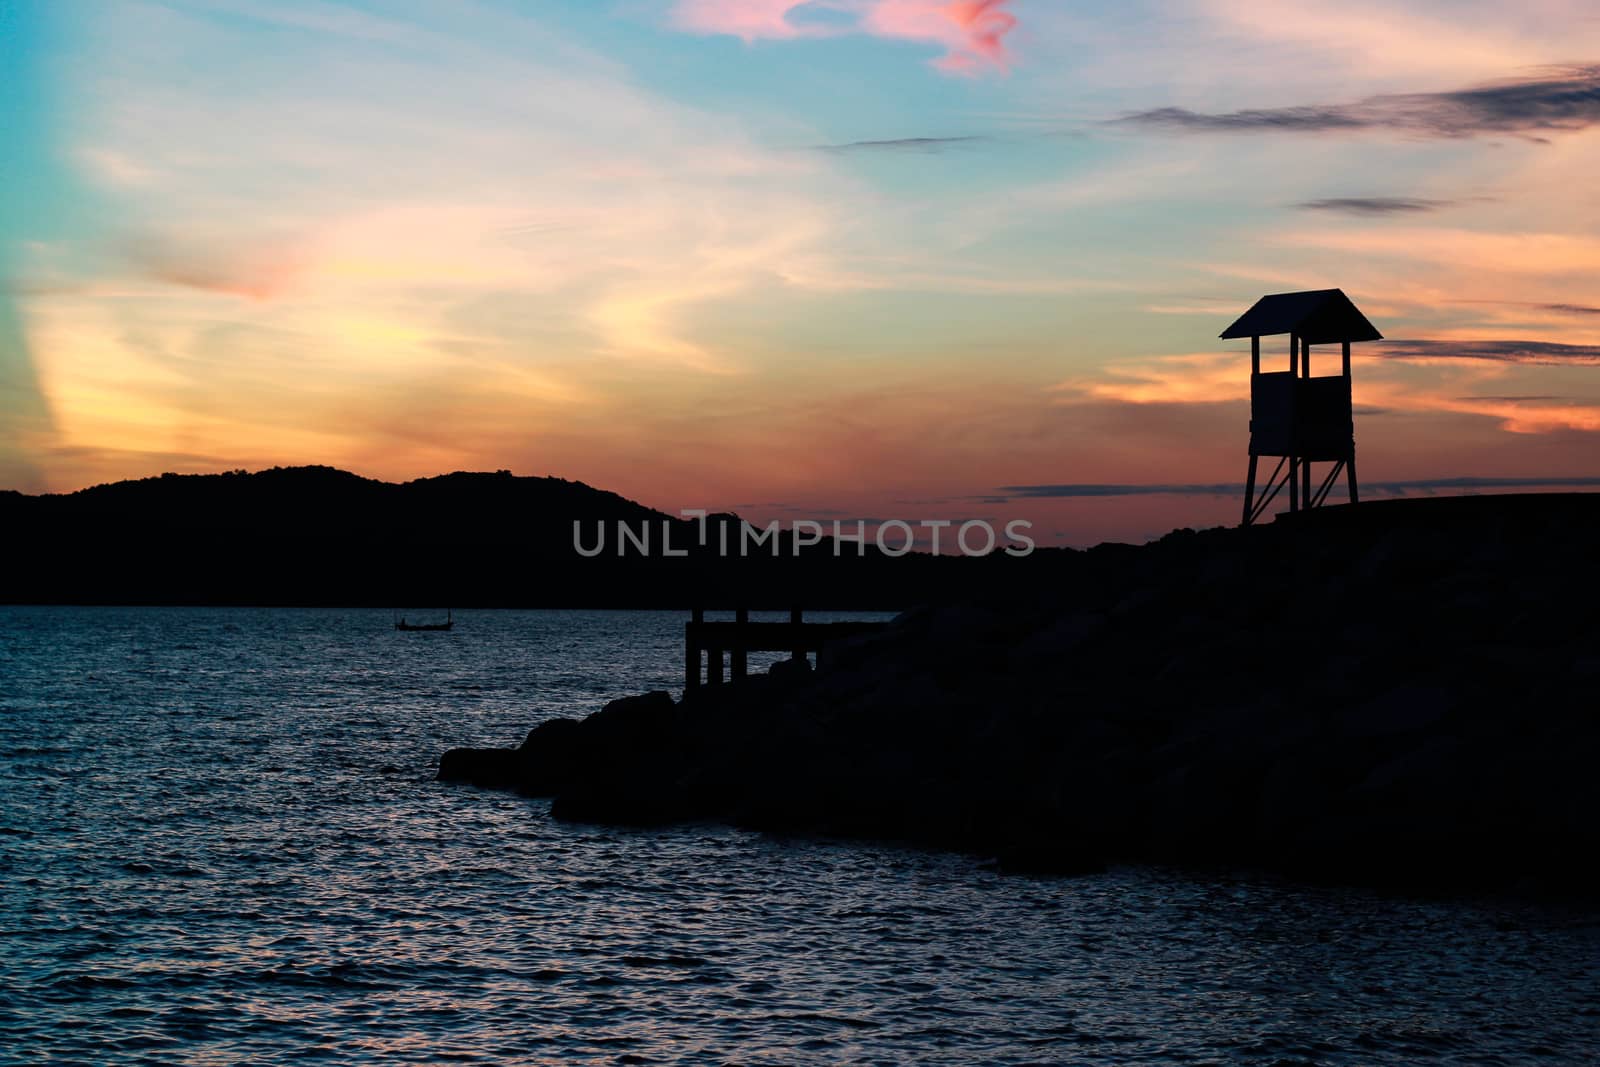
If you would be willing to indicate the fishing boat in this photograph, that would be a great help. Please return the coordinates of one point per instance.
(449, 622)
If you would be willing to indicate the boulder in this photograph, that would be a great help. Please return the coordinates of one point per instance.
(1404, 709)
(790, 670)
(487, 768)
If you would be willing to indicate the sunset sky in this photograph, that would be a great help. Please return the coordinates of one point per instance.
(876, 258)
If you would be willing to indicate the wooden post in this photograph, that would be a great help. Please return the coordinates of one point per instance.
(1250, 478)
(713, 666)
(1305, 464)
(1350, 464)
(691, 650)
(799, 646)
(737, 655)
(1250, 491)
(1294, 395)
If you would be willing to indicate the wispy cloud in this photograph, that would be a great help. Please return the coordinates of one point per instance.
(1373, 205)
(1390, 488)
(1534, 305)
(1385, 385)
(1469, 484)
(972, 32)
(1038, 492)
(310, 273)
(1557, 100)
(1539, 353)
(1555, 254)
(251, 266)
(1532, 398)
(920, 145)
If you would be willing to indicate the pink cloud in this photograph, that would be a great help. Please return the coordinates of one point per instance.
(972, 32)
(748, 20)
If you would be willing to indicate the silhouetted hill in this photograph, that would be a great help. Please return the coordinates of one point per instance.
(316, 535)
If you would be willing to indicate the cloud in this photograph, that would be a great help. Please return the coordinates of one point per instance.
(1272, 120)
(1373, 205)
(1038, 492)
(295, 183)
(1559, 309)
(1560, 99)
(1383, 388)
(972, 32)
(1196, 378)
(749, 20)
(1517, 399)
(1538, 353)
(253, 267)
(1475, 255)
(310, 273)
(1391, 488)
(922, 145)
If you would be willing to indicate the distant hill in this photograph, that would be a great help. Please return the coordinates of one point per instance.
(317, 535)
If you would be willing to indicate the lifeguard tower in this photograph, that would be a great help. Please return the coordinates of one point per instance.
(1298, 418)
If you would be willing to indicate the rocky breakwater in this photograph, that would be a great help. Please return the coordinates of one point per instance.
(1404, 692)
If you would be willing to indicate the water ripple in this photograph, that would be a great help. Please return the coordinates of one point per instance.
(220, 842)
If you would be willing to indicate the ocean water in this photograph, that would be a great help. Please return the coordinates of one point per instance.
(221, 842)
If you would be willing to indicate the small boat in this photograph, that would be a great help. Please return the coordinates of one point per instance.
(449, 622)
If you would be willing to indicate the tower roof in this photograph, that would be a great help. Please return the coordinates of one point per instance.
(1321, 316)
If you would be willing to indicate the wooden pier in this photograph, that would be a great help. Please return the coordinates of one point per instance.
(705, 643)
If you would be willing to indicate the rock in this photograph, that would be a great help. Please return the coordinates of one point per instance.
(790, 670)
(1063, 636)
(1136, 602)
(553, 752)
(1403, 709)
(487, 768)
(1319, 696)
(551, 732)
(1058, 859)
(1296, 791)
(962, 624)
(625, 798)
(647, 710)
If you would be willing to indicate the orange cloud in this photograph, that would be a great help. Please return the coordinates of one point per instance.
(1531, 253)
(1199, 378)
(1213, 378)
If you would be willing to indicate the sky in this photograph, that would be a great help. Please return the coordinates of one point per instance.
(827, 259)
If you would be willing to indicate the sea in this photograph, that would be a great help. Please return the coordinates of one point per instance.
(222, 842)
